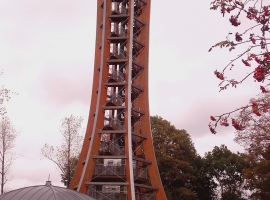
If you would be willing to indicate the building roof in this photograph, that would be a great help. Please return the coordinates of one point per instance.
(44, 192)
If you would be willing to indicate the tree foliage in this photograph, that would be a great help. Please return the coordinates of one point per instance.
(258, 176)
(251, 19)
(69, 170)
(8, 136)
(66, 155)
(4, 96)
(255, 138)
(225, 168)
(177, 159)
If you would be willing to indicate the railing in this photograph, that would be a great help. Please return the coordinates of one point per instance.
(138, 6)
(137, 24)
(115, 99)
(136, 88)
(136, 139)
(144, 196)
(118, 9)
(122, 10)
(118, 30)
(117, 76)
(137, 45)
(118, 53)
(99, 195)
(137, 112)
(110, 147)
(109, 170)
(114, 123)
(136, 116)
(106, 196)
(140, 173)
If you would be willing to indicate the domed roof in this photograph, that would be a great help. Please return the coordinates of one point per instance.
(44, 192)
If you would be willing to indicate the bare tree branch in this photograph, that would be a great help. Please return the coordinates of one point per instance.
(7, 141)
(65, 155)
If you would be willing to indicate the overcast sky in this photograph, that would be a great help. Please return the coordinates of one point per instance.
(47, 56)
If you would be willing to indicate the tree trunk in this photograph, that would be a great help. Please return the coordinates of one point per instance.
(3, 160)
(3, 174)
(68, 158)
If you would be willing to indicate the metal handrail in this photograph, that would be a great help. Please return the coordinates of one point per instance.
(137, 87)
(111, 147)
(118, 30)
(137, 110)
(115, 99)
(142, 196)
(118, 52)
(109, 170)
(140, 172)
(137, 139)
(114, 123)
(117, 74)
(121, 30)
(104, 196)
(120, 9)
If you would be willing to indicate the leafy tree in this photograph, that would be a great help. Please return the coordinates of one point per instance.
(224, 168)
(8, 136)
(176, 158)
(228, 195)
(203, 187)
(254, 40)
(255, 138)
(66, 155)
(258, 176)
(67, 176)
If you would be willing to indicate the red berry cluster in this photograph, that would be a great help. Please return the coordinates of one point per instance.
(213, 131)
(262, 70)
(224, 122)
(258, 60)
(259, 73)
(237, 126)
(266, 58)
(234, 21)
(255, 109)
(260, 17)
(265, 28)
(252, 13)
(262, 43)
(263, 18)
(252, 56)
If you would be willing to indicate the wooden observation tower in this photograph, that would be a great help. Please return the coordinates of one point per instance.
(117, 161)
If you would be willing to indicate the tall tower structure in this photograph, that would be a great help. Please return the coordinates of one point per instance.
(117, 160)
